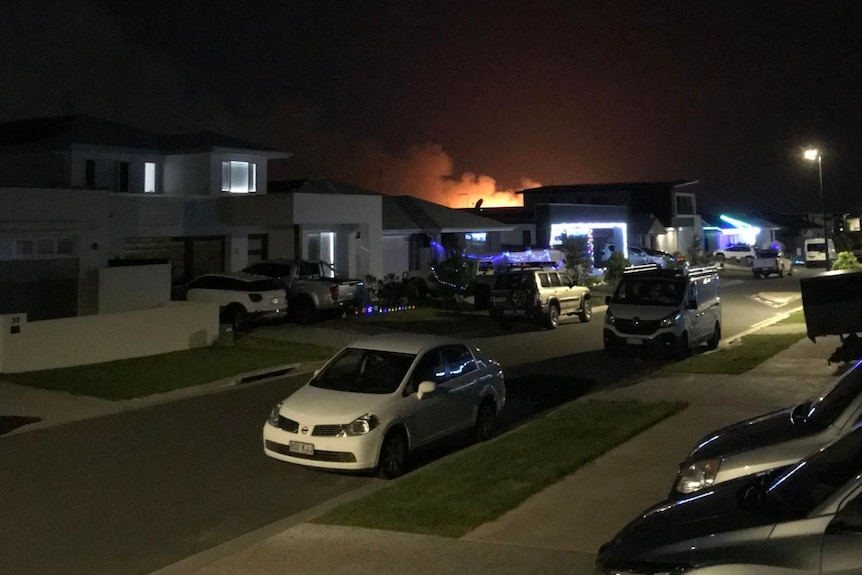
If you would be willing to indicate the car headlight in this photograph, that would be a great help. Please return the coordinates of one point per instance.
(670, 320)
(609, 317)
(274, 414)
(359, 426)
(699, 475)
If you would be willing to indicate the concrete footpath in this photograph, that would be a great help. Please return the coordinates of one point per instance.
(557, 531)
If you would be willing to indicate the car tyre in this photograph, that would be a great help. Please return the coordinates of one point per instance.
(486, 419)
(393, 456)
(586, 313)
(553, 318)
(237, 316)
(302, 310)
(682, 349)
(720, 257)
(715, 338)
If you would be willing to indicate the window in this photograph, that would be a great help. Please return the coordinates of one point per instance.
(149, 178)
(90, 174)
(238, 177)
(459, 360)
(123, 176)
(685, 204)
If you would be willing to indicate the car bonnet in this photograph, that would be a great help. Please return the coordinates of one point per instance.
(329, 406)
(767, 429)
(706, 524)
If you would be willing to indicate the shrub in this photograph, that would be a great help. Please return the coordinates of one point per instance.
(846, 261)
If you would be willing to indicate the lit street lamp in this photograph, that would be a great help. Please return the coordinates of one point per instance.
(812, 155)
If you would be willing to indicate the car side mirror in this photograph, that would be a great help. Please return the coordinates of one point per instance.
(691, 304)
(608, 299)
(425, 388)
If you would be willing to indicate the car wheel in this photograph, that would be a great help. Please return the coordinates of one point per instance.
(586, 313)
(781, 273)
(237, 316)
(682, 349)
(720, 257)
(790, 271)
(302, 310)
(553, 318)
(755, 275)
(393, 455)
(486, 419)
(482, 298)
(749, 261)
(715, 338)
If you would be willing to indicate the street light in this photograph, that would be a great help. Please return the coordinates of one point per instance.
(812, 155)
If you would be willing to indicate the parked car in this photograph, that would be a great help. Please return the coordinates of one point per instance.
(380, 399)
(768, 262)
(539, 293)
(243, 298)
(772, 440)
(638, 255)
(805, 518)
(667, 312)
(313, 290)
(740, 253)
(663, 259)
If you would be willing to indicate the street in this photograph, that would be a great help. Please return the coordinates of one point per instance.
(133, 492)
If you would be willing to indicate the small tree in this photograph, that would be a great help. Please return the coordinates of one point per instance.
(695, 250)
(576, 258)
(846, 261)
(455, 276)
(616, 265)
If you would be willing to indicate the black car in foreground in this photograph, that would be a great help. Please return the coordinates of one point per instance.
(803, 518)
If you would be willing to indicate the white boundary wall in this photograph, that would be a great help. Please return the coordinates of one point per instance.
(83, 340)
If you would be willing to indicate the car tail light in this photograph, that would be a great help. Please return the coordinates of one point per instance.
(333, 292)
(255, 297)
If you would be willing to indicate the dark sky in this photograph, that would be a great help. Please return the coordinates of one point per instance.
(457, 100)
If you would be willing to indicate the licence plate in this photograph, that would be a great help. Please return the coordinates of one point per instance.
(634, 341)
(301, 448)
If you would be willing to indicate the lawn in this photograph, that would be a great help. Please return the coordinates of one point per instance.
(454, 495)
(142, 376)
(737, 358)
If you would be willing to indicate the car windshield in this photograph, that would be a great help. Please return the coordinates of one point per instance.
(825, 409)
(365, 371)
(650, 291)
(802, 487)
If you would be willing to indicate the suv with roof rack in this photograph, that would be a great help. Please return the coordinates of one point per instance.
(538, 292)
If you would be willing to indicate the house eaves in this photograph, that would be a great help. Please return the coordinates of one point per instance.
(408, 214)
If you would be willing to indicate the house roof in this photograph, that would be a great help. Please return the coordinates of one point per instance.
(63, 132)
(316, 186)
(401, 214)
(610, 186)
(409, 214)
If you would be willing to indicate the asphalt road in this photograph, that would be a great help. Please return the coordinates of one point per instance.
(134, 492)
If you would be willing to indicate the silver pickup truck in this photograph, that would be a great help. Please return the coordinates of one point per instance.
(313, 291)
(768, 262)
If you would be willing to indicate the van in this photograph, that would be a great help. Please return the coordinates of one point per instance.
(815, 252)
(664, 312)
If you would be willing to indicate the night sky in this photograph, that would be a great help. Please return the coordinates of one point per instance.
(459, 100)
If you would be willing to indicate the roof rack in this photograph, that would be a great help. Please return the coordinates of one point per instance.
(532, 266)
(658, 271)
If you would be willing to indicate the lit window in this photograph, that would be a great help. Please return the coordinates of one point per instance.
(149, 178)
(238, 177)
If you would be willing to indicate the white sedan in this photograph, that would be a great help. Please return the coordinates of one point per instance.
(381, 398)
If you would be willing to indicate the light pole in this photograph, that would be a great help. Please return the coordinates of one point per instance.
(812, 155)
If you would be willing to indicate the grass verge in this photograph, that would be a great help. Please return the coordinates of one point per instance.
(142, 376)
(736, 358)
(453, 496)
